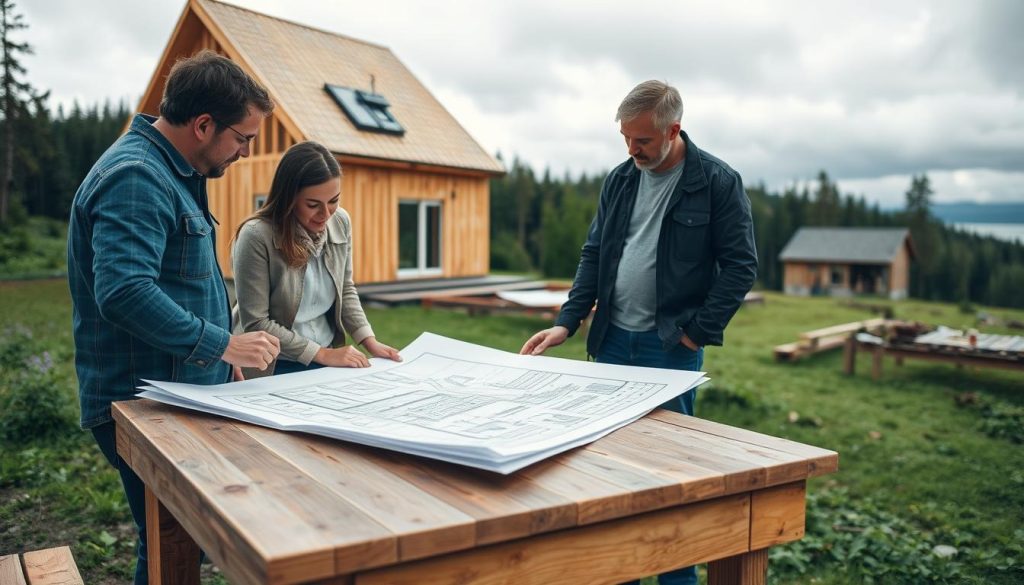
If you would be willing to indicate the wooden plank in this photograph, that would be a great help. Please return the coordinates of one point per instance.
(822, 344)
(224, 509)
(504, 507)
(596, 499)
(173, 555)
(696, 482)
(52, 566)
(318, 511)
(647, 491)
(469, 290)
(788, 352)
(959, 360)
(738, 473)
(774, 467)
(843, 329)
(605, 553)
(747, 569)
(819, 461)
(777, 515)
(122, 444)
(10, 570)
(423, 524)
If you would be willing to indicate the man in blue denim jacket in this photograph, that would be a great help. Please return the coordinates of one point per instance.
(149, 297)
(668, 258)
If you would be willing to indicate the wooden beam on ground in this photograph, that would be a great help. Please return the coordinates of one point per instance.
(10, 570)
(53, 566)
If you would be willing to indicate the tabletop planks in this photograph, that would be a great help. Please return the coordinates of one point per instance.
(308, 507)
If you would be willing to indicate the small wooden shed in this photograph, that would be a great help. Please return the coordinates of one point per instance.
(414, 181)
(846, 261)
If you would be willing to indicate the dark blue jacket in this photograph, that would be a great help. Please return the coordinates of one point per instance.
(706, 261)
(149, 297)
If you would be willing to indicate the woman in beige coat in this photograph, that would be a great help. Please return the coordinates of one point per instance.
(292, 262)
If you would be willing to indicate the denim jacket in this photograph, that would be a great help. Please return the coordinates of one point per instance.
(706, 263)
(149, 297)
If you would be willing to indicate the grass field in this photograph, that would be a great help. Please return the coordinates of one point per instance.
(930, 456)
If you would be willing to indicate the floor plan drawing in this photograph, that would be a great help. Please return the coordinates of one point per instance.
(449, 400)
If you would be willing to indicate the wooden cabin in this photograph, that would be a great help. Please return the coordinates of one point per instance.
(414, 181)
(846, 261)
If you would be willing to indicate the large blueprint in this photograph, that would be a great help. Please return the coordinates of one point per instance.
(448, 400)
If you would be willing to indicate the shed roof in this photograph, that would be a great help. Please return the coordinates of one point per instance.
(845, 244)
(295, 61)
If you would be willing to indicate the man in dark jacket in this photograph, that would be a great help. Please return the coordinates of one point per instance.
(669, 256)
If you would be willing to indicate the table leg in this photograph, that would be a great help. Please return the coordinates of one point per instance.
(173, 555)
(850, 355)
(745, 569)
(876, 363)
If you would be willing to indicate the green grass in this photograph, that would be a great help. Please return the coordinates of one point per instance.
(929, 455)
(35, 247)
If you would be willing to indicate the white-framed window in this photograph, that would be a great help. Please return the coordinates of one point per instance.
(419, 238)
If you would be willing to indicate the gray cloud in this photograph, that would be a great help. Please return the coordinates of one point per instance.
(866, 90)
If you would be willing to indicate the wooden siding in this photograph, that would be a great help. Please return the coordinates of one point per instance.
(801, 274)
(371, 197)
(189, 38)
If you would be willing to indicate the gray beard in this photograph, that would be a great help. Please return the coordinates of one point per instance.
(654, 163)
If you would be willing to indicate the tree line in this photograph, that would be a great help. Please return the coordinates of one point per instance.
(540, 222)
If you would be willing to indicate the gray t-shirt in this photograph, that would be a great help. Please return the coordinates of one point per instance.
(635, 296)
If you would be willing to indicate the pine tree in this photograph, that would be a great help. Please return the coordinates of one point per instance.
(15, 96)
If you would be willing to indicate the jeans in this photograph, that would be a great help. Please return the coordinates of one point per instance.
(284, 366)
(135, 491)
(632, 348)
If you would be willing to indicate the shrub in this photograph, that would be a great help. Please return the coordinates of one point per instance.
(36, 246)
(33, 398)
(16, 345)
(507, 254)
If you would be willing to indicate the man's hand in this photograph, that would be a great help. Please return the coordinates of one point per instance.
(688, 343)
(378, 349)
(542, 340)
(256, 349)
(341, 357)
(236, 374)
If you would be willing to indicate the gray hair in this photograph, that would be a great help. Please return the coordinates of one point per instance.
(654, 96)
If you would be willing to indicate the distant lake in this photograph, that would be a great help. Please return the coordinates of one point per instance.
(1003, 231)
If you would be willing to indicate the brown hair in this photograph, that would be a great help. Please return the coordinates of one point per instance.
(305, 164)
(208, 83)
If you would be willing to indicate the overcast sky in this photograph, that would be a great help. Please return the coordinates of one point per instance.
(872, 92)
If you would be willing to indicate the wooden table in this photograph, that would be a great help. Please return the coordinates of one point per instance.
(959, 357)
(272, 507)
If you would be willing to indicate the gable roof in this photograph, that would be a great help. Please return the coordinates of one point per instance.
(841, 244)
(294, 62)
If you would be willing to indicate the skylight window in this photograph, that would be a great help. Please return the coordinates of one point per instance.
(368, 111)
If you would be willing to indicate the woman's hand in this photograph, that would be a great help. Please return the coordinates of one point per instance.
(378, 349)
(341, 357)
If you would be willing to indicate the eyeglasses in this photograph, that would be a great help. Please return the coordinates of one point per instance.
(251, 140)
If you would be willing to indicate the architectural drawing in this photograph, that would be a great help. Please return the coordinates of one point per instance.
(449, 400)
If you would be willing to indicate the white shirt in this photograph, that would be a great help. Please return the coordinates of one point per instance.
(318, 296)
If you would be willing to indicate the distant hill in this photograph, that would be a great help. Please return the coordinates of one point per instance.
(967, 212)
